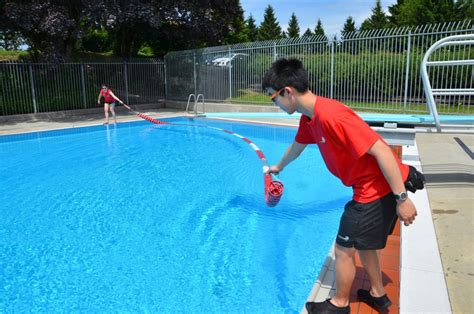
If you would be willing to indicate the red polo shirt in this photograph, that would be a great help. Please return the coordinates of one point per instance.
(107, 97)
(343, 139)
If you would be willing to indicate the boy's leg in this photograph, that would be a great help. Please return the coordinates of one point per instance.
(370, 261)
(106, 112)
(345, 273)
(112, 110)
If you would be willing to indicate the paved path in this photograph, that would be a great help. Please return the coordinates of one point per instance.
(449, 172)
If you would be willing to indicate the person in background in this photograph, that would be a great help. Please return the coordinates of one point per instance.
(109, 102)
(360, 158)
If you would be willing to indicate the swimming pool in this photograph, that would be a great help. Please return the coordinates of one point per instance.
(139, 217)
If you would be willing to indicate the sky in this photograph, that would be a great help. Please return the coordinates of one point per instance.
(333, 13)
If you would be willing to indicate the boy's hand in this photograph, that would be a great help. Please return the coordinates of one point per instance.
(274, 169)
(406, 211)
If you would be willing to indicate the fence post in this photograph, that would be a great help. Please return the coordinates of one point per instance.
(32, 83)
(166, 82)
(125, 71)
(274, 52)
(332, 68)
(230, 74)
(83, 86)
(407, 74)
(195, 74)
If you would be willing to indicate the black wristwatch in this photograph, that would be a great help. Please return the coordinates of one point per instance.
(402, 196)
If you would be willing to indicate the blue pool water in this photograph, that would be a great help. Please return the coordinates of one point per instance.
(138, 217)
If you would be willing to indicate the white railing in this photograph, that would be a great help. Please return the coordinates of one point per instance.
(457, 40)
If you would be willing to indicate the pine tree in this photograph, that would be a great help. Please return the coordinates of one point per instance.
(377, 20)
(349, 26)
(269, 29)
(293, 28)
(319, 30)
(252, 28)
(308, 33)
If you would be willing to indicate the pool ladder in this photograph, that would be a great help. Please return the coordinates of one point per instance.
(196, 103)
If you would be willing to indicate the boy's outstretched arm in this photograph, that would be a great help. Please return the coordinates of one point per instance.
(292, 152)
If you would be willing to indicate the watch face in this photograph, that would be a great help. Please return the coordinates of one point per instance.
(403, 196)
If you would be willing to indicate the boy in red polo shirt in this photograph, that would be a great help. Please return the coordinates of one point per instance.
(360, 158)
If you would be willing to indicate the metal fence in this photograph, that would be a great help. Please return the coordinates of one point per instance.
(375, 70)
(42, 87)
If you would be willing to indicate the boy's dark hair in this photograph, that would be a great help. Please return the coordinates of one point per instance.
(286, 72)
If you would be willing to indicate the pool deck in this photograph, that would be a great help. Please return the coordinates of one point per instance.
(427, 267)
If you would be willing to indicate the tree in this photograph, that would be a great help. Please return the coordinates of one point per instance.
(190, 24)
(131, 23)
(51, 28)
(464, 9)
(308, 32)
(96, 40)
(394, 11)
(319, 30)
(239, 32)
(349, 26)
(252, 28)
(269, 29)
(419, 12)
(377, 20)
(293, 28)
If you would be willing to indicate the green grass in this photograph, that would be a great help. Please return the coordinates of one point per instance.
(252, 97)
(11, 55)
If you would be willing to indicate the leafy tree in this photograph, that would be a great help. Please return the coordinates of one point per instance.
(394, 11)
(418, 12)
(293, 28)
(464, 9)
(96, 40)
(319, 30)
(131, 23)
(308, 32)
(11, 40)
(189, 24)
(52, 28)
(252, 28)
(269, 29)
(377, 20)
(349, 26)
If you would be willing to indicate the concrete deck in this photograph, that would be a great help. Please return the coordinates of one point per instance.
(448, 166)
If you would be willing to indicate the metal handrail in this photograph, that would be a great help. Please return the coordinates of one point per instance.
(189, 100)
(196, 102)
(456, 40)
(196, 105)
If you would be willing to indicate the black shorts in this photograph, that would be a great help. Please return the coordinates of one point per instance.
(367, 226)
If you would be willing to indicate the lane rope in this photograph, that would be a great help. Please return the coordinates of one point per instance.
(273, 188)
